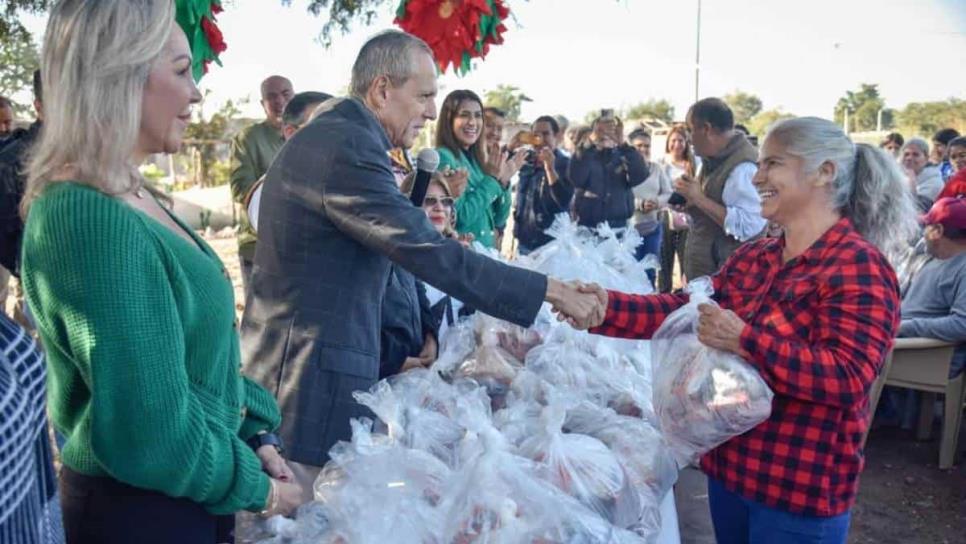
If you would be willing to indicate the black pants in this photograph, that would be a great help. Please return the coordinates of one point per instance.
(672, 245)
(105, 511)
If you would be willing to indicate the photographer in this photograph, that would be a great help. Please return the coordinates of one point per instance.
(604, 170)
(544, 189)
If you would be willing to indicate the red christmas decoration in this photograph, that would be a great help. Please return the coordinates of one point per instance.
(456, 30)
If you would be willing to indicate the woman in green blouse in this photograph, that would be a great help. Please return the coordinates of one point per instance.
(165, 439)
(480, 180)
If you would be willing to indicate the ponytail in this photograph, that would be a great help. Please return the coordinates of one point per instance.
(881, 205)
(869, 188)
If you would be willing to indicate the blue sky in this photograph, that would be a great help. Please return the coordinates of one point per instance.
(573, 56)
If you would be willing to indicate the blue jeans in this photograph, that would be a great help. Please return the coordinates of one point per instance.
(740, 521)
(651, 245)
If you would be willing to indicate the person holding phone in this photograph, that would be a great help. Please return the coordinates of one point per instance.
(544, 190)
(604, 171)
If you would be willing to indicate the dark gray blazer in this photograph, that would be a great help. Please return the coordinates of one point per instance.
(331, 219)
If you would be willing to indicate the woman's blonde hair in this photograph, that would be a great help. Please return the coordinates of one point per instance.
(407, 187)
(96, 59)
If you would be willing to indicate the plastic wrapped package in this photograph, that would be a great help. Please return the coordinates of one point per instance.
(414, 426)
(375, 490)
(309, 526)
(702, 396)
(584, 468)
(473, 351)
(496, 498)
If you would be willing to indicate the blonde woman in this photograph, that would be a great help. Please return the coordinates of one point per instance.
(135, 311)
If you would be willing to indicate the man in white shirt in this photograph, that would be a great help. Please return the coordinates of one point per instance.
(724, 205)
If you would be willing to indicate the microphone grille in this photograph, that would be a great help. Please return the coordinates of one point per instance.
(427, 160)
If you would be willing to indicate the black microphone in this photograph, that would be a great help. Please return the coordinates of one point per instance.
(426, 163)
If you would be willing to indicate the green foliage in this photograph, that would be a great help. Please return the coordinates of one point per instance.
(19, 59)
(661, 110)
(759, 124)
(744, 105)
(219, 173)
(508, 98)
(10, 26)
(342, 13)
(863, 107)
(925, 118)
(206, 134)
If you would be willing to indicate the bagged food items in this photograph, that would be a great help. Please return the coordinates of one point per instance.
(582, 467)
(702, 396)
(497, 498)
(578, 253)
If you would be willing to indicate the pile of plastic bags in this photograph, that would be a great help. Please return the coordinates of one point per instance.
(539, 435)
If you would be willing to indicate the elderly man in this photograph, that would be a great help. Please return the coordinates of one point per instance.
(935, 305)
(724, 206)
(297, 113)
(6, 120)
(252, 151)
(311, 329)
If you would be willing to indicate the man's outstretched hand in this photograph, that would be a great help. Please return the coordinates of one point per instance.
(582, 305)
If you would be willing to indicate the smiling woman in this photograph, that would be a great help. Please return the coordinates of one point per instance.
(483, 207)
(815, 312)
(135, 309)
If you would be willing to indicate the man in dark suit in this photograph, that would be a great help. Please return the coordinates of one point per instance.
(332, 219)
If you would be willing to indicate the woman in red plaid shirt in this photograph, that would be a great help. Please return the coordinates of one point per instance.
(815, 311)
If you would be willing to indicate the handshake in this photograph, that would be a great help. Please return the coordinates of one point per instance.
(583, 305)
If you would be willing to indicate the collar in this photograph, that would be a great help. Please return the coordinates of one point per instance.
(816, 252)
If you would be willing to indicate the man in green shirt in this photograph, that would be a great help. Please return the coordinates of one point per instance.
(252, 151)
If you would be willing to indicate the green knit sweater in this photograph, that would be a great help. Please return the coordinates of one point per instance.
(484, 205)
(142, 350)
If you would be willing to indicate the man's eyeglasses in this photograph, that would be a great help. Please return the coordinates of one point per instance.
(431, 201)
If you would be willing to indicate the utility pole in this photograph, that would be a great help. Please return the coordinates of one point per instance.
(697, 58)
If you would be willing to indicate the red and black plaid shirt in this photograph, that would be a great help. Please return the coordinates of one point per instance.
(818, 329)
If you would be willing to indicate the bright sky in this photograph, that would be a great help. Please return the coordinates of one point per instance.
(573, 56)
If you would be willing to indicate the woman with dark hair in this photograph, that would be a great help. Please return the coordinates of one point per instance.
(650, 198)
(483, 206)
(892, 144)
(679, 160)
(815, 312)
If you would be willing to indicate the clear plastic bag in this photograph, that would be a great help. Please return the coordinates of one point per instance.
(702, 396)
(584, 468)
(498, 498)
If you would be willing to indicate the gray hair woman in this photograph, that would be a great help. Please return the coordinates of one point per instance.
(135, 311)
(815, 311)
(925, 180)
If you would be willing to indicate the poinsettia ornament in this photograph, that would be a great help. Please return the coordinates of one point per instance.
(456, 30)
(197, 19)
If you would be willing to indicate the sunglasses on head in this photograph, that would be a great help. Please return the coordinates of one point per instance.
(430, 201)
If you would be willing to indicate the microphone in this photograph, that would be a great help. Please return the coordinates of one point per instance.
(426, 163)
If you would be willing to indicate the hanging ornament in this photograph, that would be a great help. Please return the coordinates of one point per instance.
(456, 30)
(197, 19)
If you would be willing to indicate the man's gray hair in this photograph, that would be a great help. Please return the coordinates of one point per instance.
(389, 53)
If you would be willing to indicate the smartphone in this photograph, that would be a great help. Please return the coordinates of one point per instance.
(607, 113)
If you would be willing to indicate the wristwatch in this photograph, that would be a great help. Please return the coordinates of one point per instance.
(265, 439)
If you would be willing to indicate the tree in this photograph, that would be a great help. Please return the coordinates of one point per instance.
(661, 110)
(207, 134)
(10, 25)
(925, 118)
(759, 124)
(863, 107)
(341, 14)
(743, 105)
(508, 98)
(19, 59)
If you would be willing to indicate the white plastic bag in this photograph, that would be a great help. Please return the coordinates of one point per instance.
(702, 396)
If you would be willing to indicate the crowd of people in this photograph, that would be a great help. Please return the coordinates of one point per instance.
(171, 415)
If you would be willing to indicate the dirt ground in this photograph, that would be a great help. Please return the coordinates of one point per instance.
(903, 496)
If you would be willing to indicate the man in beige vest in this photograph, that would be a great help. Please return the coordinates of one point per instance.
(724, 205)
